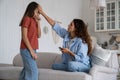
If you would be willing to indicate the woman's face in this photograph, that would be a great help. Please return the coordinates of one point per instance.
(71, 27)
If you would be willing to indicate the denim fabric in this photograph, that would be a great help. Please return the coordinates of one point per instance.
(30, 70)
(72, 66)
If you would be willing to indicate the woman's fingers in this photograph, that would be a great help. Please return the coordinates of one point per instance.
(39, 8)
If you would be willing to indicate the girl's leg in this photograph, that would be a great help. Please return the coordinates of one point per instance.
(22, 74)
(78, 67)
(30, 70)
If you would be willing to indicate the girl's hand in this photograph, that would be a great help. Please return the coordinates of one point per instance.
(37, 14)
(37, 18)
(34, 55)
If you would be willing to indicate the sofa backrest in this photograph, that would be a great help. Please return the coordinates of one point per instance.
(45, 59)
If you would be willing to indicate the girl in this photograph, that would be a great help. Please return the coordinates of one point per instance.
(30, 31)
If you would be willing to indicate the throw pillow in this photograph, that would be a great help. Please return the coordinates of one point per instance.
(100, 56)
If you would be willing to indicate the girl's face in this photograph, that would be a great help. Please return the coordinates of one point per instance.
(36, 14)
(71, 27)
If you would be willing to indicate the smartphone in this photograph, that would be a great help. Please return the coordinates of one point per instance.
(60, 48)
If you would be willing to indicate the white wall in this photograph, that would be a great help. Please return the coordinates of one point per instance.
(11, 13)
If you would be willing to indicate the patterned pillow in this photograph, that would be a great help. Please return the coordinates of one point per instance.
(100, 56)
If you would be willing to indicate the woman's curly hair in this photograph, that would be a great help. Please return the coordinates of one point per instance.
(82, 32)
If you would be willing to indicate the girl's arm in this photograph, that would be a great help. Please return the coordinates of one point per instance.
(37, 18)
(27, 43)
(39, 30)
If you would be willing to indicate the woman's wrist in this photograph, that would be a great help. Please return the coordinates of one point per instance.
(71, 53)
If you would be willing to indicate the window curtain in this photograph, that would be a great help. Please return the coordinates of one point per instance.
(97, 4)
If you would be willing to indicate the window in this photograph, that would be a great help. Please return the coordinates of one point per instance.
(108, 19)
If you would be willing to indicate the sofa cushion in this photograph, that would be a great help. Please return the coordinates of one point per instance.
(46, 59)
(58, 58)
(113, 61)
(100, 56)
(62, 75)
(5, 65)
(11, 73)
(17, 61)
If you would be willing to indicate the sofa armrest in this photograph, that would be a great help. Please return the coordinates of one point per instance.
(102, 69)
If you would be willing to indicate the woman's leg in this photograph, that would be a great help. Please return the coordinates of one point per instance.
(30, 70)
(59, 66)
(77, 67)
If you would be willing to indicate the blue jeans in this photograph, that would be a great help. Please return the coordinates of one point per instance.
(30, 70)
(72, 66)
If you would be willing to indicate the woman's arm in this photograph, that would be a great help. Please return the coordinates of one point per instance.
(50, 20)
(56, 27)
(67, 51)
(27, 43)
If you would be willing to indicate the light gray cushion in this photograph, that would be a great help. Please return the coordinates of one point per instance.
(49, 74)
(5, 65)
(100, 56)
(113, 61)
(46, 59)
(17, 61)
(11, 73)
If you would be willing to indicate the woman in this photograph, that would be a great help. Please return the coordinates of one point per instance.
(30, 31)
(76, 45)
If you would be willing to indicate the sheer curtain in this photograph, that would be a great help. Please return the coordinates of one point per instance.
(96, 4)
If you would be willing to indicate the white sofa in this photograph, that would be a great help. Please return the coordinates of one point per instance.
(46, 59)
